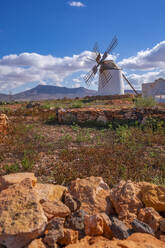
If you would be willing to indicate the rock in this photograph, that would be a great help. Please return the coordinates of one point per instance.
(70, 202)
(93, 225)
(119, 229)
(4, 123)
(162, 238)
(136, 240)
(93, 193)
(7, 180)
(153, 196)
(98, 224)
(55, 209)
(49, 192)
(162, 225)
(141, 227)
(125, 197)
(37, 243)
(22, 218)
(70, 237)
(150, 217)
(54, 232)
(76, 222)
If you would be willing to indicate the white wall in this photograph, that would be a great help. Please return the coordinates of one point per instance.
(115, 86)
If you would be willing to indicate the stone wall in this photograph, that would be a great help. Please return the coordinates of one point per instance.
(84, 115)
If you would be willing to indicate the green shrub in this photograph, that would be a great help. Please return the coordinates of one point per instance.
(141, 102)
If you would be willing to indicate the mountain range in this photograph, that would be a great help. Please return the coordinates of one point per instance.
(48, 92)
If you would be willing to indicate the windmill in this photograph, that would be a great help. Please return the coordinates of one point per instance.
(110, 75)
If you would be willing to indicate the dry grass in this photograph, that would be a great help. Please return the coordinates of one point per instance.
(60, 153)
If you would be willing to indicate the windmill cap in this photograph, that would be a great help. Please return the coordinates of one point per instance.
(109, 65)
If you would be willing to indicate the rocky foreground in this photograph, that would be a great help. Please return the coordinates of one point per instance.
(86, 214)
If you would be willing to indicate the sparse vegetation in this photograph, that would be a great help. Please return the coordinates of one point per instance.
(60, 153)
(141, 102)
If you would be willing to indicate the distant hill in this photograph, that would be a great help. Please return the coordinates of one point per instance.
(44, 92)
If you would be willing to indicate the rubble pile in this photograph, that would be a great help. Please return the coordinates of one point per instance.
(87, 213)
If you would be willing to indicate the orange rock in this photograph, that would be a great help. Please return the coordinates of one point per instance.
(7, 180)
(150, 217)
(55, 209)
(125, 197)
(37, 243)
(137, 240)
(3, 123)
(98, 224)
(22, 218)
(70, 237)
(49, 192)
(153, 196)
(93, 193)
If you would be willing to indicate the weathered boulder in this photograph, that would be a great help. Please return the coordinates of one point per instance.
(54, 232)
(150, 217)
(76, 222)
(153, 196)
(93, 193)
(136, 240)
(55, 209)
(70, 237)
(125, 197)
(49, 192)
(119, 229)
(37, 243)
(7, 180)
(141, 227)
(72, 203)
(22, 218)
(98, 224)
(162, 225)
(4, 123)
(93, 225)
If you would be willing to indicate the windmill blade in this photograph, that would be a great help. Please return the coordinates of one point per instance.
(96, 48)
(130, 84)
(112, 45)
(110, 48)
(90, 75)
(107, 77)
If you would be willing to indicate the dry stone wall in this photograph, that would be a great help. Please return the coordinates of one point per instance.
(83, 115)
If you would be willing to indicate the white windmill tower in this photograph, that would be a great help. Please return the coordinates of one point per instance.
(111, 77)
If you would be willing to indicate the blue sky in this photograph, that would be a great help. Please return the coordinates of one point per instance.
(47, 41)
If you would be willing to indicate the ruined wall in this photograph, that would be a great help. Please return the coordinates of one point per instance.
(156, 88)
(107, 115)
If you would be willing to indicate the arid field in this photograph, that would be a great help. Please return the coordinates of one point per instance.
(59, 153)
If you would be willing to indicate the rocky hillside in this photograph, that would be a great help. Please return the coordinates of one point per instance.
(86, 214)
(42, 92)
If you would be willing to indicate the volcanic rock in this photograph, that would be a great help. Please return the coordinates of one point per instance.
(125, 197)
(22, 218)
(150, 217)
(70, 237)
(136, 240)
(49, 192)
(37, 243)
(141, 227)
(162, 225)
(119, 229)
(154, 196)
(7, 180)
(54, 232)
(93, 193)
(55, 209)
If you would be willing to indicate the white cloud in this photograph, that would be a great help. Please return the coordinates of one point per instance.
(76, 85)
(76, 4)
(148, 59)
(17, 70)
